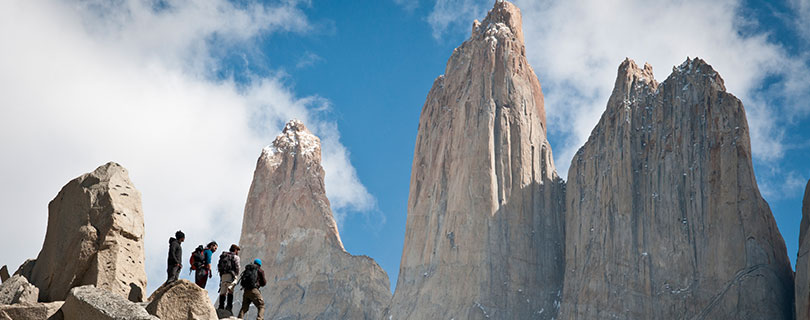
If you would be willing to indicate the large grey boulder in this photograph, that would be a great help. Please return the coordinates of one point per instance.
(289, 225)
(17, 290)
(38, 311)
(94, 236)
(484, 234)
(91, 303)
(181, 300)
(802, 284)
(664, 218)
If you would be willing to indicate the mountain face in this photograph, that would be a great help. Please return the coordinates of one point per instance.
(484, 233)
(289, 225)
(94, 236)
(802, 285)
(664, 219)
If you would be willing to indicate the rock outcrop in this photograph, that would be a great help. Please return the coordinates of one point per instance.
(4, 274)
(802, 284)
(17, 290)
(94, 236)
(38, 311)
(484, 235)
(181, 300)
(664, 218)
(289, 225)
(89, 302)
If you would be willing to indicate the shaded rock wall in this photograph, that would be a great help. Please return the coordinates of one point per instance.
(664, 218)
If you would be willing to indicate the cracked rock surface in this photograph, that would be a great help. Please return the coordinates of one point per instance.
(664, 219)
(288, 224)
(484, 233)
(94, 236)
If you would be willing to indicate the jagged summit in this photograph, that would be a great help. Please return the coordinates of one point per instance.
(504, 17)
(294, 138)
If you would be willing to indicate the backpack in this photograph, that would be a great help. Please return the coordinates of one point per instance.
(250, 278)
(197, 260)
(227, 263)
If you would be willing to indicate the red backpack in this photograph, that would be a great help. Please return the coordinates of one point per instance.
(197, 259)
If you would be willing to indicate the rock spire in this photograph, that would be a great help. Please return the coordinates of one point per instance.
(289, 225)
(664, 219)
(484, 234)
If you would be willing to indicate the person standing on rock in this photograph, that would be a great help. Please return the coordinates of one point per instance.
(203, 274)
(228, 267)
(175, 256)
(252, 279)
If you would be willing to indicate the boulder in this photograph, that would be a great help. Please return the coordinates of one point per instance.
(92, 303)
(288, 223)
(181, 300)
(664, 218)
(484, 234)
(17, 290)
(94, 236)
(37, 311)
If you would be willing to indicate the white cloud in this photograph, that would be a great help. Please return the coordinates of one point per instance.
(408, 5)
(802, 10)
(308, 59)
(575, 48)
(456, 15)
(84, 83)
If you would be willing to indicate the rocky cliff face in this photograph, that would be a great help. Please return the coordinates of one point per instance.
(484, 234)
(664, 219)
(94, 236)
(289, 225)
(802, 285)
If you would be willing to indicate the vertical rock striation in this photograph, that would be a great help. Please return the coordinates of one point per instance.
(289, 225)
(484, 234)
(94, 236)
(803, 261)
(664, 219)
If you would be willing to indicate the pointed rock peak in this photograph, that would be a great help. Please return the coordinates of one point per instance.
(295, 138)
(628, 70)
(698, 69)
(631, 78)
(503, 18)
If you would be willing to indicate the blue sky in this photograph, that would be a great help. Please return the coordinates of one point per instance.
(185, 94)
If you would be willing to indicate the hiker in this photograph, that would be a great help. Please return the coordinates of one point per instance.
(175, 256)
(203, 267)
(228, 267)
(252, 279)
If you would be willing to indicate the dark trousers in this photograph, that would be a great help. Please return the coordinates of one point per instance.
(252, 296)
(173, 273)
(201, 277)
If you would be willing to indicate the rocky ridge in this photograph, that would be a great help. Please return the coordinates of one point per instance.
(663, 215)
(484, 233)
(288, 224)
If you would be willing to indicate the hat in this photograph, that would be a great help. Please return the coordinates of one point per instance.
(258, 261)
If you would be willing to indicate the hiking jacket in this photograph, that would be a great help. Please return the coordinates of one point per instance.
(175, 252)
